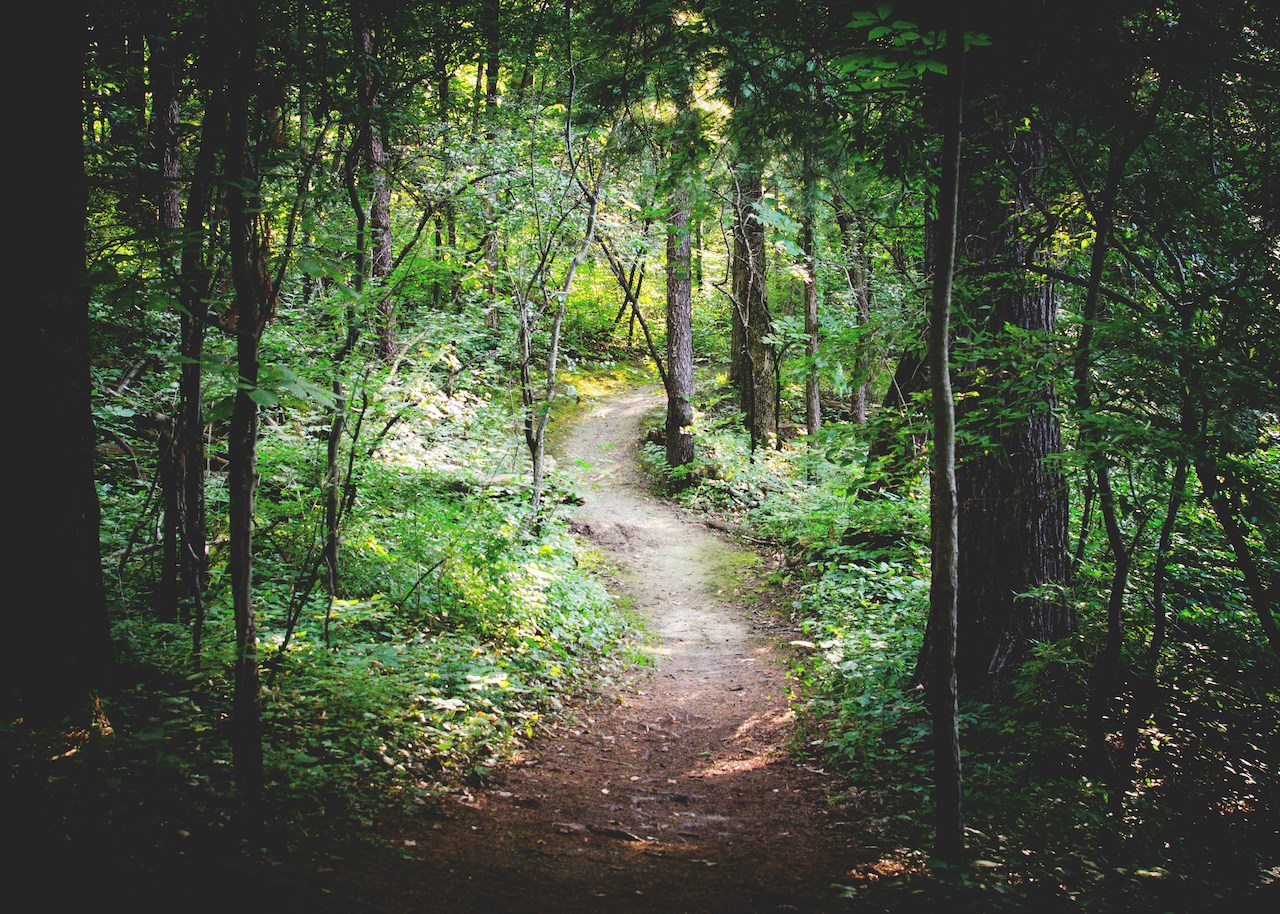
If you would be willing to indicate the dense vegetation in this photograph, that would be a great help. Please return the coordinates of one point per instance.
(348, 265)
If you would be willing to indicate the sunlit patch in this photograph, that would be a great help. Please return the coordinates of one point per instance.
(896, 864)
(748, 757)
(724, 767)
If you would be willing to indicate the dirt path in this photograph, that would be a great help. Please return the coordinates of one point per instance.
(675, 794)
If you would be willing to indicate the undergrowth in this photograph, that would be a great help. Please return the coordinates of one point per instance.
(457, 628)
(1044, 831)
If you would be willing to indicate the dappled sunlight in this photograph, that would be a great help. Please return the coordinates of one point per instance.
(731, 766)
(756, 742)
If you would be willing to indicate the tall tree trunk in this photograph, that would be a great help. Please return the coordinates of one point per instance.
(165, 113)
(697, 253)
(61, 647)
(338, 412)
(193, 302)
(535, 420)
(1012, 501)
(808, 243)
(253, 299)
(373, 152)
(449, 208)
(739, 376)
(944, 559)
(493, 52)
(1159, 614)
(167, 193)
(166, 597)
(752, 324)
(679, 438)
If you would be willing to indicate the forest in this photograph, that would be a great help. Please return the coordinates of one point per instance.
(957, 320)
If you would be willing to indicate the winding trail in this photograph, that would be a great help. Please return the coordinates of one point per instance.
(675, 793)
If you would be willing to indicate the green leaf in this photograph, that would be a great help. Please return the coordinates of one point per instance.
(311, 267)
(263, 397)
(220, 410)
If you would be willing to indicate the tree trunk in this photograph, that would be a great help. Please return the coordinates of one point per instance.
(679, 438)
(165, 113)
(492, 50)
(752, 324)
(536, 425)
(60, 648)
(167, 193)
(812, 394)
(166, 598)
(740, 278)
(338, 412)
(253, 297)
(535, 420)
(373, 151)
(489, 243)
(189, 467)
(944, 558)
(1012, 502)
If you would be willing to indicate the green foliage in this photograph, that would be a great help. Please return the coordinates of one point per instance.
(455, 631)
(1041, 831)
(455, 627)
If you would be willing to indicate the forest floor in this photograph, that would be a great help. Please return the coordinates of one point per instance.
(674, 791)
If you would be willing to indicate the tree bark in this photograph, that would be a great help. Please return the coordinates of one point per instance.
(167, 194)
(165, 112)
(492, 51)
(60, 647)
(808, 243)
(536, 425)
(193, 302)
(679, 438)
(1013, 502)
(755, 377)
(944, 558)
(373, 151)
(253, 296)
